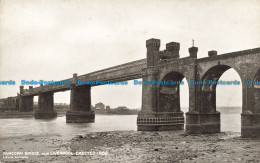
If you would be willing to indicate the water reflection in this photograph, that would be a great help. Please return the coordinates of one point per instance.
(29, 126)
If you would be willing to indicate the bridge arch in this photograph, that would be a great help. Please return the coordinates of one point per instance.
(223, 67)
(169, 95)
(184, 72)
(207, 92)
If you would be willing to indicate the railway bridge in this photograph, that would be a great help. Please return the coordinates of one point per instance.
(161, 103)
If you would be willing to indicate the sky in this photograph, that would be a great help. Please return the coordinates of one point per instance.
(52, 39)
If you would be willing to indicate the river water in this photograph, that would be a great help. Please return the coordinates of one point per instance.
(16, 127)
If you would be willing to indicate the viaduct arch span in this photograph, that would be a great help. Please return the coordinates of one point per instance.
(161, 104)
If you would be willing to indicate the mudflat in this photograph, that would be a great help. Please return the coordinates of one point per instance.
(132, 146)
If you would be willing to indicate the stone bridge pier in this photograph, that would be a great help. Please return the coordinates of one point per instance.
(204, 118)
(45, 106)
(25, 102)
(250, 117)
(160, 104)
(80, 104)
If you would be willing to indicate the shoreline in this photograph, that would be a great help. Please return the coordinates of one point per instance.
(135, 146)
(16, 114)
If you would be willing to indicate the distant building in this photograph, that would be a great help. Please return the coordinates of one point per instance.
(122, 110)
(122, 107)
(100, 105)
(107, 107)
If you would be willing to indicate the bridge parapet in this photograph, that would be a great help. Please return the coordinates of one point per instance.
(121, 71)
(231, 55)
(137, 63)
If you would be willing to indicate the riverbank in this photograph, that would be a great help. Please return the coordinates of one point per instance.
(115, 112)
(16, 114)
(133, 146)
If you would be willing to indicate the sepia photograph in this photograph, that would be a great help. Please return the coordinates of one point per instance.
(129, 81)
